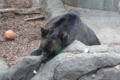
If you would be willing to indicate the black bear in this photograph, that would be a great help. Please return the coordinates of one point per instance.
(62, 30)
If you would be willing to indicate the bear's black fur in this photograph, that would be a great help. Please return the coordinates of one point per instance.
(62, 30)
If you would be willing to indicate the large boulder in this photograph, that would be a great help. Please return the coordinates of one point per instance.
(47, 70)
(24, 69)
(75, 64)
(107, 73)
(77, 46)
(3, 70)
(78, 65)
(83, 64)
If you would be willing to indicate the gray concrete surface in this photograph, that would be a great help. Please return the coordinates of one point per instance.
(109, 5)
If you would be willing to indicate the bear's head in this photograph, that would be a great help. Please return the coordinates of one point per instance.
(52, 43)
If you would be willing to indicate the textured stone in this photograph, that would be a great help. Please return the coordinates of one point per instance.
(108, 73)
(69, 66)
(3, 70)
(77, 46)
(46, 71)
(115, 49)
(83, 64)
(23, 70)
(54, 8)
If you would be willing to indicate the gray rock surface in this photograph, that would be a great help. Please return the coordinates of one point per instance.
(3, 70)
(46, 71)
(54, 8)
(83, 64)
(23, 70)
(115, 49)
(75, 64)
(77, 46)
(108, 73)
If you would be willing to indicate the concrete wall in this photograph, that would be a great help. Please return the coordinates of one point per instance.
(108, 5)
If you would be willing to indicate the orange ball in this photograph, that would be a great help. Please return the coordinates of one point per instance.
(9, 34)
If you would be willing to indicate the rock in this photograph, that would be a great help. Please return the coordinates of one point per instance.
(46, 71)
(77, 46)
(83, 64)
(77, 66)
(108, 73)
(115, 49)
(70, 65)
(54, 8)
(3, 70)
(23, 70)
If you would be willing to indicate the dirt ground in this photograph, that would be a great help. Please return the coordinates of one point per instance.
(27, 32)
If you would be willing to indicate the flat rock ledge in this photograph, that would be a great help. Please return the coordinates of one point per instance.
(76, 62)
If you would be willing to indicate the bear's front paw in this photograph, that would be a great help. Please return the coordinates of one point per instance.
(37, 52)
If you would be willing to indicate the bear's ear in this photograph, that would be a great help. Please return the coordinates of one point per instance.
(44, 32)
(65, 37)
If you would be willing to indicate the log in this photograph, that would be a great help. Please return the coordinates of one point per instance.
(35, 18)
(21, 11)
